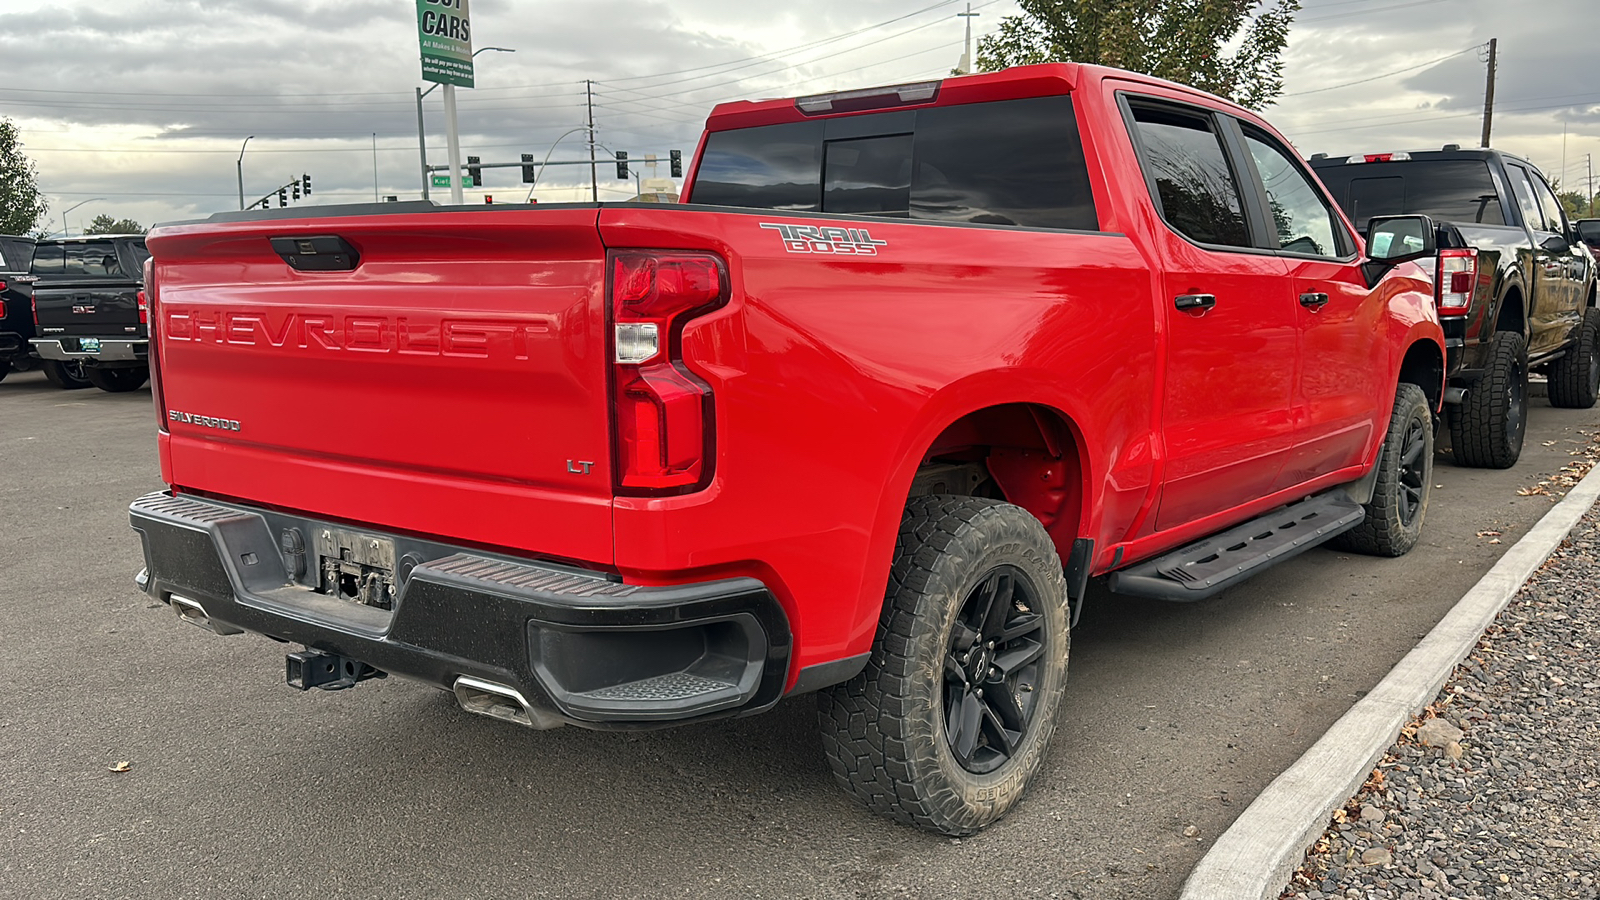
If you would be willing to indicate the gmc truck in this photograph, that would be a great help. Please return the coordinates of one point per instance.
(88, 302)
(861, 417)
(1515, 286)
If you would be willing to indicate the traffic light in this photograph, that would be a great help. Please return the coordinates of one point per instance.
(294, 189)
(305, 185)
(529, 173)
(473, 172)
(622, 164)
(677, 164)
(283, 197)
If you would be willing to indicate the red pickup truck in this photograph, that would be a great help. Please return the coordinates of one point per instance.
(861, 417)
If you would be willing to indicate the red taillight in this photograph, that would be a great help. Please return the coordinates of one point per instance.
(150, 313)
(1456, 280)
(663, 413)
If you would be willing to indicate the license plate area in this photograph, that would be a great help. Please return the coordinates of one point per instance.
(356, 567)
(88, 345)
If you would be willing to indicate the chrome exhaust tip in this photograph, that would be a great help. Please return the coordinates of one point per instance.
(191, 611)
(498, 701)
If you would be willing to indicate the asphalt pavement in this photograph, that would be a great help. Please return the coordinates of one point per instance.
(232, 784)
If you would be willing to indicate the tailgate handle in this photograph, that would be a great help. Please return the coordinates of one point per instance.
(317, 253)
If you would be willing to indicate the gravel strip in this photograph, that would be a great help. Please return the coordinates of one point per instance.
(1494, 791)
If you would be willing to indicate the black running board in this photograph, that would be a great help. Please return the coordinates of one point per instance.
(1207, 566)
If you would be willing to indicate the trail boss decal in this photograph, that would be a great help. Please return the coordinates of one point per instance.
(814, 239)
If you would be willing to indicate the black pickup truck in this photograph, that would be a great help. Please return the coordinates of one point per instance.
(1515, 285)
(88, 303)
(16, 302)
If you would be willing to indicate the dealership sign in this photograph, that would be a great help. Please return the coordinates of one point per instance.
(445, 34)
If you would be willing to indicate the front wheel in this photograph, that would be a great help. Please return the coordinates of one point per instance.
(1575, 377)
(1405, 476)
(951, 716)
(118, 381)
(69, 376)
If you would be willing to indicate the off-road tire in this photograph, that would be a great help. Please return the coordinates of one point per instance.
(1405, 479)
(1575, 377)
(65, 375)
(885, 732)
(117, 381)
(1487, 427)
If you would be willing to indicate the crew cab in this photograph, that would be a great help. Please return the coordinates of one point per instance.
(16, 304)
(861, 417)
(89, 308)
(1515, 284)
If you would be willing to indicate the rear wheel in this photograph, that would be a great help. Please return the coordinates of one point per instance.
(1575, 377)
(1405, 474)
(951, 716)
(68, 376)
(117, 381)
(1486, 428)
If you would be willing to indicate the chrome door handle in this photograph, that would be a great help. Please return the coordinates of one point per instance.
(1313, 301)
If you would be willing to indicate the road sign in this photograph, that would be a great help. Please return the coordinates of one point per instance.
(443, 180)
(445, 34)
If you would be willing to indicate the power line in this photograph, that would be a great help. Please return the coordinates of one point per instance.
(1387, 74)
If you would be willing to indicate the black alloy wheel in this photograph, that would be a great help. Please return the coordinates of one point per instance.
(1414, 470)
(951, 716)
(991, 670)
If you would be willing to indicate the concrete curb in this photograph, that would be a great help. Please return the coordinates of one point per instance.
(1257, 855)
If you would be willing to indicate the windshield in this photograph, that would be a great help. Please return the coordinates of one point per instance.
(1460, 191)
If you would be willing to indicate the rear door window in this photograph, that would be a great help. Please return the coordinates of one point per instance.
(1012, 162)
(1193, 184)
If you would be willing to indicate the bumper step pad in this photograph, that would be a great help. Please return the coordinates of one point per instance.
(1210, 565)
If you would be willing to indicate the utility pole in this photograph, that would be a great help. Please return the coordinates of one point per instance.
(422, 144)
(966, 54)
(1488, 94)
(1588, 161)
(594, 180)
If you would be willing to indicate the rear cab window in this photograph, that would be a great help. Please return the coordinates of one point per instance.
(1191, 180)
(83, 259)
(1449, 190)
(1008, 162)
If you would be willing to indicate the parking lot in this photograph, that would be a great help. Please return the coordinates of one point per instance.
(236, 785)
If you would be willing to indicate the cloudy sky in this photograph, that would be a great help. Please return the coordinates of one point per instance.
(139, 108)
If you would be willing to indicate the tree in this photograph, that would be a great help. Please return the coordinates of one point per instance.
(21, 204)
(104, 224)
(1181, 40)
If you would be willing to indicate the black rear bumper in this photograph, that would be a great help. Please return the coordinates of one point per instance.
(569, 645)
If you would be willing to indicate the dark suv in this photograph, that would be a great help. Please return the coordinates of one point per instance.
(16, 302)
(1515, 285)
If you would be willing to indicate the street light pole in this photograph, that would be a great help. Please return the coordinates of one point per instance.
(241, 170)
(66, 229)
(451, 135)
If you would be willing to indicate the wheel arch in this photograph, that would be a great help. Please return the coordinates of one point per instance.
(1512, 314)
(1423, 365)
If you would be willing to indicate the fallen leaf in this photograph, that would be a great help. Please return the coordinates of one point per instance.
(121, 766)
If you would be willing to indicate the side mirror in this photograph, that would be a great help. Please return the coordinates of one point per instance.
(1555, 243)
(1395, 239)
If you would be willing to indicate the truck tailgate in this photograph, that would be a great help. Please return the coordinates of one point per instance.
(453, 383)
(87, 307)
